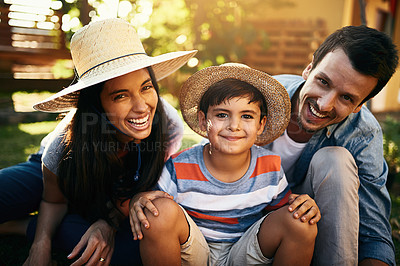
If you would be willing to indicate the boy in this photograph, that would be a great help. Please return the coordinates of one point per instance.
(224, 186)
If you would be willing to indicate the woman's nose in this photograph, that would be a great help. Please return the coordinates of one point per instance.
(138, 104)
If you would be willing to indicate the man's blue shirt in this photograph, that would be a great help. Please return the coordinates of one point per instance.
(361, 134)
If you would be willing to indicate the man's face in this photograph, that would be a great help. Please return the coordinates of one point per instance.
(332, 91)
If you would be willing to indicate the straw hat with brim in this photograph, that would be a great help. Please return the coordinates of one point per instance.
(276, 97)
(104, 50)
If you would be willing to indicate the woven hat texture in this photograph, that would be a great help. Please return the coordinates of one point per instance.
(106, 49)
(276, 97)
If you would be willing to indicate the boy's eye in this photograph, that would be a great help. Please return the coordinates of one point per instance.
(222, 115)
(247, 116)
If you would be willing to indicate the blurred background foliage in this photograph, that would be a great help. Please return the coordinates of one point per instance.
(218, 29)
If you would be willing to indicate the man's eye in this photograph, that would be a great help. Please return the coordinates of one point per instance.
(347, 98)
(324, 82)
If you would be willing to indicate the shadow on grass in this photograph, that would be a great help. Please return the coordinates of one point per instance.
(15, 249)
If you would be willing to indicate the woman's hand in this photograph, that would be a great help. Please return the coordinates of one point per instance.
(99, 242)
(305, 208)
(136, 215)
(39, 254)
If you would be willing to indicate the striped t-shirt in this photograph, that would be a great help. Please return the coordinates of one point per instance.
(224, 211)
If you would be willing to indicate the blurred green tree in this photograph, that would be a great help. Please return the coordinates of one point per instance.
(220, 29)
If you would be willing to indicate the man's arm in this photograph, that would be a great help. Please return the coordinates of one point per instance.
(374, 202)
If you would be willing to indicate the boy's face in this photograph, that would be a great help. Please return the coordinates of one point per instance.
(233, 126)
(332, 91)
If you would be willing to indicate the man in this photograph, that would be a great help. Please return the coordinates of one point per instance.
(332, 148)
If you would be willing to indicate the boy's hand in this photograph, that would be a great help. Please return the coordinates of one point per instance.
(136, 214)
(305, 208)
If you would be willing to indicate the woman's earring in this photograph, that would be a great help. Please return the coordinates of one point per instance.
(210, 149)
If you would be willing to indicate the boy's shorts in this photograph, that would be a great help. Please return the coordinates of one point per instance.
(246, 251)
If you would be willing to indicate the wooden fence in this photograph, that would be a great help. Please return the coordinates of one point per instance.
(290, 46)
(30, 45)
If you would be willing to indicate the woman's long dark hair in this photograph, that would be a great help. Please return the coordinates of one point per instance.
(91, 174)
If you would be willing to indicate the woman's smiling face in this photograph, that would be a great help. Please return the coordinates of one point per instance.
(130, 103)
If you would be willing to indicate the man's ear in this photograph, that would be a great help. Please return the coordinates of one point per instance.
(202, 120)
(307, 70)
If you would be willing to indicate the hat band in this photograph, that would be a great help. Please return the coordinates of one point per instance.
(107, 62)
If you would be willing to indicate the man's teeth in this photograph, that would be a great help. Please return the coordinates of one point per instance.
(316, 113)
(139, 121)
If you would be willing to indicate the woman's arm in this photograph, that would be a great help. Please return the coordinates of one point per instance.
(51, 212)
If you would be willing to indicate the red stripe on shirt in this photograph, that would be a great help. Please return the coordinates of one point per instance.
(213, 218)
(189, 171)
(266, 164)
(281, 203)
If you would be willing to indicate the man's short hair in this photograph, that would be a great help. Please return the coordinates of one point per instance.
(370, 51)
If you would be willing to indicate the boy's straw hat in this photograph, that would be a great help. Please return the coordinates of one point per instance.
(276, 97)
(104, 50)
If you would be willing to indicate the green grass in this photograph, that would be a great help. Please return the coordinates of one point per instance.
(18, 141)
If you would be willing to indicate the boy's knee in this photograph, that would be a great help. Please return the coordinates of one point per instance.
(298, 229)
(168, 213)
(294, 228)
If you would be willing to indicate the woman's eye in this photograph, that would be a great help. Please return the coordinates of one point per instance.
(147, 87)
(119, 96)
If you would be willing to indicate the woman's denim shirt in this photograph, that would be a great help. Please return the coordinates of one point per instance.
(361, 134)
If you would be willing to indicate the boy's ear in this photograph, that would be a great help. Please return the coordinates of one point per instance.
(262, 125)
(202, 120)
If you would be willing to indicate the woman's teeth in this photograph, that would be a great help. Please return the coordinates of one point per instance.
(139, 121)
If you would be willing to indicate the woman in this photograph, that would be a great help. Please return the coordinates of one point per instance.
(113, 147)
